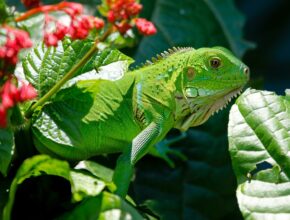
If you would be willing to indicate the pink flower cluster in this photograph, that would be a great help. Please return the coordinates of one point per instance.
(122, 9)
(11, 95)
(16, 40)
(145, 27)
(79, 27)
(122, 13)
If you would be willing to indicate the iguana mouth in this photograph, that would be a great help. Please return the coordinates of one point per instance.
(223, 101)
(199, 117)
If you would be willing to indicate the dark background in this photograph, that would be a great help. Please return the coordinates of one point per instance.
(268, 25)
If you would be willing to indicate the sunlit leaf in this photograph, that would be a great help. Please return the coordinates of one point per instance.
(259, 138)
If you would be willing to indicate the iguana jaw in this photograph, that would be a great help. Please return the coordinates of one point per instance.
(202, 115)
(223, 101)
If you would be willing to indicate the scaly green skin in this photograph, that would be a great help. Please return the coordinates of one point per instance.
(180, 90)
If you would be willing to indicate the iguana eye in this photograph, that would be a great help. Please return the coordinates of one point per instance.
(215, 63)
(190, 73)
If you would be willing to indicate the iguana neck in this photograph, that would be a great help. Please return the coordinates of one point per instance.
(162, 80)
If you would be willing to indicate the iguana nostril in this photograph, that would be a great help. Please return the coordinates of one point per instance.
(247, 71)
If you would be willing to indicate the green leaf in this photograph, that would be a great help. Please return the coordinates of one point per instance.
(43, 66)
(110, 56)
(119, 41)
(262, 200)
(75, 105)
(87, 209)
(109, 64)
(259, 134)
(83, 185)
(199, 23)
(63, 126)
(106, 206)
(259, 131)
(6, 149)
(36, 166)
(3, 11)
(96, 169)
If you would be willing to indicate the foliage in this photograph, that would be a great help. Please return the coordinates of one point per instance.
(259, 138)
(7, 148)
(201, 187)
(86, 189)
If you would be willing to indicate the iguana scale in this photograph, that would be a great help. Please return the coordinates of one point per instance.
(179, 89)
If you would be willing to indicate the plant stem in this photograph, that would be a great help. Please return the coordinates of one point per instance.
(43, 9)
(67, 76)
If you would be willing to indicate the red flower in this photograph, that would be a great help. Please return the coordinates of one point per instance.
(123, 27)
(50, 39)
(27, 92)
(98, 23)
(122, 9)
(79, 28)
(134, 8)
(16, 40)
(11, 95)
(31, 3)
(145, 27)
(123, 12)
(7, 101)
(76, 7)
(86, 23)
(78, 32)
(61, 30)
(3, 117)
(111, 16)
(73, 9)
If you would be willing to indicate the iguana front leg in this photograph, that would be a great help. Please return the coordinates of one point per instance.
(140, 146)
(162, 149)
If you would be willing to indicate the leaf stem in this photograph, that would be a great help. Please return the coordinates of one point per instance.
(43, 9)
(69, 75)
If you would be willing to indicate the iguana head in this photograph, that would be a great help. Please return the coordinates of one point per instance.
(212, 77)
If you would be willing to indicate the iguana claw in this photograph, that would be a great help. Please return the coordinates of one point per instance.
(162, 149)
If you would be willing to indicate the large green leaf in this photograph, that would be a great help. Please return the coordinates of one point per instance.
(263, 200)
(106, 206)
(199, 23)
(63, 123)
(83, 185)
(35, 166)
(6, 149)
(43, 66)
(259, 138)
(109, 64)
(96, 169)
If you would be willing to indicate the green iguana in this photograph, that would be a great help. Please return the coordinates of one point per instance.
(181, 89)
